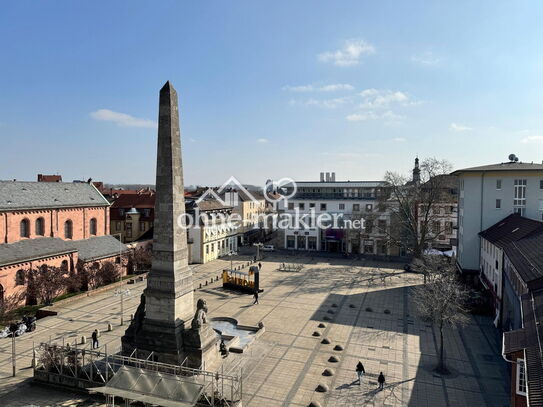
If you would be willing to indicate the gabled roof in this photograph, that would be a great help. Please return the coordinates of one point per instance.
(205, 205)
(508, 166)
(33, 249)
(511, 229)
(99, 247)
(127, 201)
(21, 195)
(527, 256)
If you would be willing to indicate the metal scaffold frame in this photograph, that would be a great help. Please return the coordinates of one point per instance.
(84, 368)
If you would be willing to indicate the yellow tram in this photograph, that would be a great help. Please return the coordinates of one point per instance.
(242, 281)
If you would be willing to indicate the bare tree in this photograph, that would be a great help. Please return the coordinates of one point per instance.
(442, 300)
(46, 282)
(107, 273)
(8, 305)
(415, 205)
(139, 260)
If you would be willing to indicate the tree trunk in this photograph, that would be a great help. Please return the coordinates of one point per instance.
(441, 368)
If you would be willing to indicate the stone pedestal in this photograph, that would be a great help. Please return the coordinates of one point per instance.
(201, 348)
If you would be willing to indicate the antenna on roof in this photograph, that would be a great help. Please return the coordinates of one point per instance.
(513, 158)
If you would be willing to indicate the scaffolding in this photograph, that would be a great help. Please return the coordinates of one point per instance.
(70, 366)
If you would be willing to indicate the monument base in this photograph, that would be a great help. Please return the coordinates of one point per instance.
(200, 346)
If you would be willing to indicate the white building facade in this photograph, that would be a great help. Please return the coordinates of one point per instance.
(487, 195)
(344, 200)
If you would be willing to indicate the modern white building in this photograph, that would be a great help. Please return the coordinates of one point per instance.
(488, 194)
(346, 200)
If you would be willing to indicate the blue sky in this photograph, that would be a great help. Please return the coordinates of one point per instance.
(268, 89)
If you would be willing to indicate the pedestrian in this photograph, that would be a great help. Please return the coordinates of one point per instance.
(95, 339)
(255, 295)
(259, 265)
(360, 372)
(381, 380)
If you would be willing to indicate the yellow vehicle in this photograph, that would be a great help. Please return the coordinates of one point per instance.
(242, 281)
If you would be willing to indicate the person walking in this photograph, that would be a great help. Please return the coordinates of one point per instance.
(259, 265)
(360, 371)
(381, 380)
(95, 339)
(255, 295)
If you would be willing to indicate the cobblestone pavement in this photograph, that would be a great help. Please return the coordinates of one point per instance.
(363, 307)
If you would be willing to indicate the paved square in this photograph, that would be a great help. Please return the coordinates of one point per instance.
(364, 307)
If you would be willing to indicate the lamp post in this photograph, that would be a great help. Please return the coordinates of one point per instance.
(258, 247)
(121, 291)
(230, 254)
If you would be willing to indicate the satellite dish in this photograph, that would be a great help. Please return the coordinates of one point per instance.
(513, 158)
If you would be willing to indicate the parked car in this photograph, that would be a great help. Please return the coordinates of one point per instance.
(268, 248)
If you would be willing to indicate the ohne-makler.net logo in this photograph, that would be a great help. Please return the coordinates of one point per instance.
(266, 216)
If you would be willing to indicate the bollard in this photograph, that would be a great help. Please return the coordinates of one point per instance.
(200, 285)
(109, 328)
(206, 282)
(83, 340)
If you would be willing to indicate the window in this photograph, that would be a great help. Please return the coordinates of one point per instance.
(498, 184)
(142, 226)
(541, 204)
(207, 249)
(20, 277)
(369, 207)
(64, 265)
(118, 225)
(121, 211)
(312, 205)
(40, 227)
(382, 225)
(323, 206)
(128, 230)
(356, 207)
(541, 184)
(312, 242)
(290, 242)
(498, 203)
(291, 206)
(25, 228)
(92, 227)
(369, 227)
(341, 206)
(519, 202)
(68, 229)
(448, 228)
(301, 206)
(521, 377)
(147, 212)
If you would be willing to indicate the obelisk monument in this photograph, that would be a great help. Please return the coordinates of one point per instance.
(162, 321)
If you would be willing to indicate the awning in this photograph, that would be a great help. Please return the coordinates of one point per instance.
(156, 388)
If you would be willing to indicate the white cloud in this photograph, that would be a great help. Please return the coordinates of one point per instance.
(122, 119)
(459, 127)
(532, 140)
(399, 139)
(348, 55)
(325, 88)
(387, 116)
(323, 103)
(383, 98)
(426, 58)
(262, 140)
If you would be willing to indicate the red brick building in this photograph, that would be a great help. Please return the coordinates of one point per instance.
(51, 223)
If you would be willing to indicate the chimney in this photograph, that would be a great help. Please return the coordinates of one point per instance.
(333, 177)
(322, 176)
(327, 176)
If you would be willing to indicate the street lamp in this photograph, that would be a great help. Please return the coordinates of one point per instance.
(230, 254)
(120, 291)
(258, 247)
